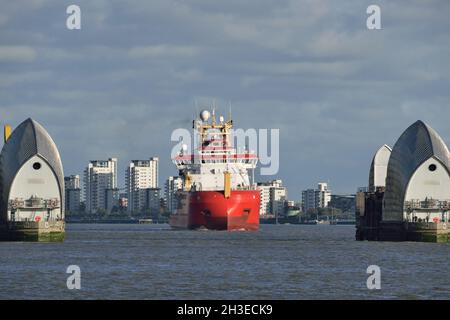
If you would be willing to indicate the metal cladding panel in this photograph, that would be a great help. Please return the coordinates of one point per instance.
(415, 146)
(27, 140)
(379, 159)
(47, 149)
(372, 174)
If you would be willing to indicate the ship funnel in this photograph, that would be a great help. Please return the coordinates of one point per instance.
(7, 132)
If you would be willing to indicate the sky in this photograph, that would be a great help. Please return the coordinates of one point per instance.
(121, 84)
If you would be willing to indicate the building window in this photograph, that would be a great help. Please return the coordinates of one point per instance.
(432, 167)
(37, 166)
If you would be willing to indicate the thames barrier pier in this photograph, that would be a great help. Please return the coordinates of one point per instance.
(31, 186)
(408, 198)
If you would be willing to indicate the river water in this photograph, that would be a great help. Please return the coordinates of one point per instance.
(130, 261)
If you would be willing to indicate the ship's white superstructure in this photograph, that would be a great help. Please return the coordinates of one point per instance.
(214, 158)
(217, 192)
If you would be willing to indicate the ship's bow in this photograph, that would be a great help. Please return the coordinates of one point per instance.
(239, 211)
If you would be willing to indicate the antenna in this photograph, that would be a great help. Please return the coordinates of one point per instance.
(196, 108)
(214, 113)
(229, 112)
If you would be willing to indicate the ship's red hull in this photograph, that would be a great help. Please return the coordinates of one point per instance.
(211, 210)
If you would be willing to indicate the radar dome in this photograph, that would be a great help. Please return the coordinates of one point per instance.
(204, 115)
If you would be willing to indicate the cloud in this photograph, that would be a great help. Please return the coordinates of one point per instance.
(122, 83)
(12, 79)
(339, 69)
(3, 19)
(142, 52)
(17, 54)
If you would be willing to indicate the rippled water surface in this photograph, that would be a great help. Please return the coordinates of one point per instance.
(278, 262)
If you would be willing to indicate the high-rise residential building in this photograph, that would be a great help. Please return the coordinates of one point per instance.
(140, 176)
(72, 182)
(112, 197)
(153, 200)
(173, 184)
(73, 193)
(278, 198)
(315, 199)
(264, 207)
(273, 198)
(99, 177)
(323, 196)
(308, 200)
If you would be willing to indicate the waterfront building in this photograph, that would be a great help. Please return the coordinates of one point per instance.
(99, 176)
(344, 203)
(153, 201)
(273, 198)
(73, 200)
(140, 176)
(264, 190)
(172, 185)
(72, 182)
(123, 202)
(278, 198)
(323, 195)
(31, 185)
(308, 200)
(112, 196)
(72, 193)
(313, 199)
(415, 203)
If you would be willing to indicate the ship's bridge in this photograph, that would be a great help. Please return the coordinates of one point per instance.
(214, 158)
(214, 145)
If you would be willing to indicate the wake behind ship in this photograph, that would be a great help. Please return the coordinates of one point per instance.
(217, 193)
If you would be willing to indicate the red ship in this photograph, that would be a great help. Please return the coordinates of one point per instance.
(217, 193)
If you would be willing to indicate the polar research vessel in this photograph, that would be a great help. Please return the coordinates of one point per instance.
(216, 192)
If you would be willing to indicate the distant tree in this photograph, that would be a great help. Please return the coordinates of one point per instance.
(101, 212)
(147, 213)
(165, 213)
(311, 214)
